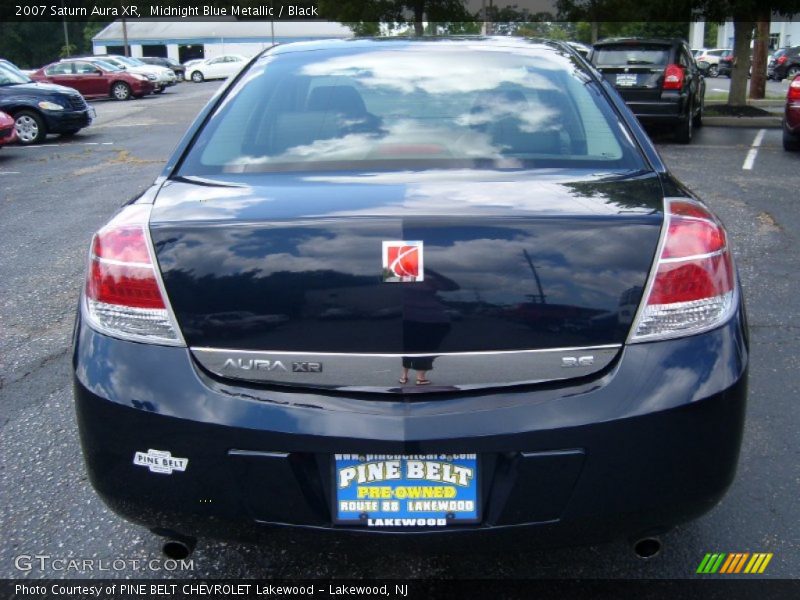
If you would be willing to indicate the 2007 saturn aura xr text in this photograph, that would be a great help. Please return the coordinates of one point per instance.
(413, 286)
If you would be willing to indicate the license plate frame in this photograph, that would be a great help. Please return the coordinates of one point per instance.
(407, 515)
(627, 79)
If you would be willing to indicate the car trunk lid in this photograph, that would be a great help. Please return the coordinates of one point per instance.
(280, 280)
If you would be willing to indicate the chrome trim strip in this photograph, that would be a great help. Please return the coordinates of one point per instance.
(258, 453)
(400, 355)
(381, 372)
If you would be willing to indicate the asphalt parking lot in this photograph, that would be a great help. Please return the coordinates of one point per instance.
(54, 196)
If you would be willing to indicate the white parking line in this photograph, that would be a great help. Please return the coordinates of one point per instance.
(751, 155)
(9, 172)
(72, 144)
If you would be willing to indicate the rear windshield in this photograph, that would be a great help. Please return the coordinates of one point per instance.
(630, 54)
(411, 107)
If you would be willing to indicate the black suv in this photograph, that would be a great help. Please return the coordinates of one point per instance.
(784, 64)
(658, 79)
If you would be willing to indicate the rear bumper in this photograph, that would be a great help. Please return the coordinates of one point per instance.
(658, 112)
(651, 443)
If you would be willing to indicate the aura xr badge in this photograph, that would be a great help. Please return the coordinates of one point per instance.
(254, 364)
(160, 461)
(402, 262)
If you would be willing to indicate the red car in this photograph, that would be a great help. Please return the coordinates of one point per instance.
(8, 134)
(791, 118)
(95, 79)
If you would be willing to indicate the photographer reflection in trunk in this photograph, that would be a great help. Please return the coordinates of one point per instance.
(425, 323)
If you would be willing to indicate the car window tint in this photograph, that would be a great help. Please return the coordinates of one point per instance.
(59, 69)
(106, 66)
(630, 55)
(303, 111)
(83, 68)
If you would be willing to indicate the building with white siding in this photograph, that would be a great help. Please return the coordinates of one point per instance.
(781, 34)
(184, 40)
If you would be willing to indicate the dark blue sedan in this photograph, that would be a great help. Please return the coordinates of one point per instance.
(413, 287)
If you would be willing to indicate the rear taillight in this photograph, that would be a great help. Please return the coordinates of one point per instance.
(124, 294)
(781, 59)
(693, 284)
(673, 77)
(794, 90)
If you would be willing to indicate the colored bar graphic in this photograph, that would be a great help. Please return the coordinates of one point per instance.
(732, 558)
(741, 562)
(765, 563)
(734, 562)
(704, 564)
(711, 563)
(717, 564)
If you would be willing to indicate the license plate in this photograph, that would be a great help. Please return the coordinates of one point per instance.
(432, 490)
(626, 79)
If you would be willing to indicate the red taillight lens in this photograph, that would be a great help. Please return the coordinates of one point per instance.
(125, 285)
(694, 282)
(123, 292)
(781, 59)
(673, 77)
(794, 90)
(121, 270)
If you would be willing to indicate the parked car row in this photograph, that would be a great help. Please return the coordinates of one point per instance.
(52, 99)
(96, 78)
(40, 108)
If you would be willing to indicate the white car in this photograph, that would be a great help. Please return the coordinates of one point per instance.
(711, 56)
(161, 77)
(219, 67)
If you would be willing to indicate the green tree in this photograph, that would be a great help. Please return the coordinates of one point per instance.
(32, 44)
(364, 17)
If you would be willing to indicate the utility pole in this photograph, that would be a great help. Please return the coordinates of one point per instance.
(66, 31)
(125, 35)
(540, 296)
